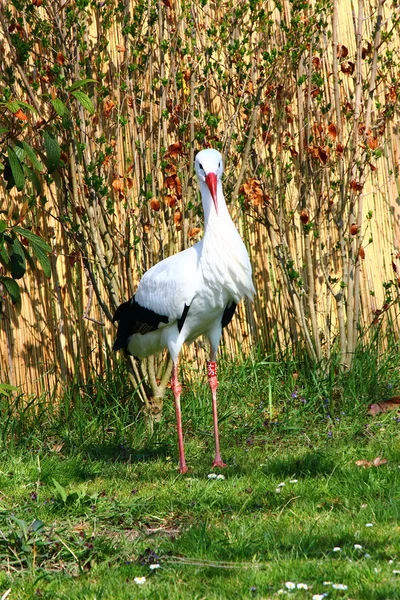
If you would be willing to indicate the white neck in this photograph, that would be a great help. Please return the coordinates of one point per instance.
(211, 218)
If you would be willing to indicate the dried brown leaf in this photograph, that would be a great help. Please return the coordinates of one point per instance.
(356, 186)
(20, 115)
(384, 406)
(177, 217)
(342, 51)
(118, 184)
(155, 204)
(108, 106)
(332, 131)
(175, 150)
(193, 232)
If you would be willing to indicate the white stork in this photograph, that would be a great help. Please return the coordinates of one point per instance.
(192, 293)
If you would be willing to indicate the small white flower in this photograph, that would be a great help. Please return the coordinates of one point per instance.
(293, 481)
(369, 524)
(390, 562)
(212, 476)
(302, 586)
(140, 580)
(319, 596)
(290, 585)
(327, 583)
(366, 555)
(155, 566)
(281, 592)
(357, 547)
(278, 490)
(280, 485)
(396, 572)
(339, 586)
(220, 477)
(337, 549)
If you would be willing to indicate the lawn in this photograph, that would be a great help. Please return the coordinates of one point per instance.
(93, 508)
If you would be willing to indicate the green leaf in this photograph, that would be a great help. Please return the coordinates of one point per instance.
(16, 169)
(7, 388)
(17, 260)
(32, 237)
(37, 186)
(43, 259)
(13, 106)
(37, 524)
(53, 150)
(12, 288)
(20, 152)
(81, 83)
(28, 106)
(59, 106)
(84, 100)
(3, 226)
(32, 157)
(17, 266)
(4, 257)
(61, 491)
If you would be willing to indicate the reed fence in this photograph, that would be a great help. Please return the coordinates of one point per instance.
(302, 98)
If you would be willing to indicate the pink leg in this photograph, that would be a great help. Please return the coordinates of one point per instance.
(177, 389)
(213, 382)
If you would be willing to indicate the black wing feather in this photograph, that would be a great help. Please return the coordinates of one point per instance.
(182, 318)
(228, 314)
(133, 318)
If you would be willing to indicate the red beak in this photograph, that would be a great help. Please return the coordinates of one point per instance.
(211, 181)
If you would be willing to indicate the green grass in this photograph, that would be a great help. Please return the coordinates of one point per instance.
(88, 501)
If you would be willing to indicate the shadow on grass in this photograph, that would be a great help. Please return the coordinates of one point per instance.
(312, 463)
(121, 453)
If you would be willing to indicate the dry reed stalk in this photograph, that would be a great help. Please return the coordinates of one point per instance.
(267, 131)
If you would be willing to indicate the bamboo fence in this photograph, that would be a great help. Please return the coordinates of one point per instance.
(62, 332)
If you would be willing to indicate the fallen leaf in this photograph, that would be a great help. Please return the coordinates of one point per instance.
(363, 463)
(377, 462)
(60, 60)
(384, 406)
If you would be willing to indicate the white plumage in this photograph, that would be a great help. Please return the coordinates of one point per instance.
(192, 293)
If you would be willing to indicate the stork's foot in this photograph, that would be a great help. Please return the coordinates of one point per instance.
(183, 469)
(218, 462)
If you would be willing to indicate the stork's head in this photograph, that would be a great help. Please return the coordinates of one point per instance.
(209, 168)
